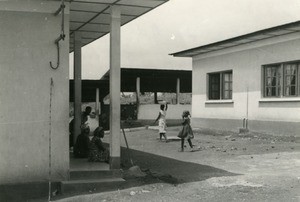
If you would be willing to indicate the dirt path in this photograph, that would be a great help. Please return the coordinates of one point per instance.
(228, 168)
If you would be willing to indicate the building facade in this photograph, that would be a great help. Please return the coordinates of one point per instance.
(251, 81)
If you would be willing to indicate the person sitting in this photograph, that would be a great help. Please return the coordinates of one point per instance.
(84, 120)
(98, 153)
(81, 147)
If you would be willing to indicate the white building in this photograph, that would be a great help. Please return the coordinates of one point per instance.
(254, 77)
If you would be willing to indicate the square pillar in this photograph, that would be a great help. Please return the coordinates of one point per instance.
(114, 86)
(138, 93)
(77, 84)
(177, 90)
(97, 103)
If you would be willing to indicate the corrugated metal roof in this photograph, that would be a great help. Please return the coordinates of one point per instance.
(92, 18)
(244, 39)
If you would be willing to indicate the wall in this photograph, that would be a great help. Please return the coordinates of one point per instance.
(245, 61)
(150, 111)
(28, 31)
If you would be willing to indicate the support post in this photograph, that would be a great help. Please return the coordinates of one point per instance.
(114, 86)
(77, 85)
(155, 98)
(97, 104)
(177, 90)
(138, 93)
(138, 90)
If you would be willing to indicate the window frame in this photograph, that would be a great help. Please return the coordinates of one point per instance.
(221, 90)
(282, 81)
(296, 80)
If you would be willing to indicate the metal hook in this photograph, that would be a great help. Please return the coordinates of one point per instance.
(62, 35)
(57, 64)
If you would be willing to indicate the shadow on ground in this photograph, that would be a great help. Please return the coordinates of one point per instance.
(163, 169)
(157, 169)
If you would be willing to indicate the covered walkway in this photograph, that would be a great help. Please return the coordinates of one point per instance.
(90, 20)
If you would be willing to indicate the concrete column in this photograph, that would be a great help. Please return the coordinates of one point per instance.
(77, 84)
(138, 90)
(114, 86)
(177, 90)
(138, 93)
(97, 104)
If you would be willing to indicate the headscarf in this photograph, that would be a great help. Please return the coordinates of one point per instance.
(185, 113)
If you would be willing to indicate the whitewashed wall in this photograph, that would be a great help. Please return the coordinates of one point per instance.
(28, 30)
(150, 111)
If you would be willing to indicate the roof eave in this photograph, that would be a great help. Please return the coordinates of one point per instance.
(210, 47)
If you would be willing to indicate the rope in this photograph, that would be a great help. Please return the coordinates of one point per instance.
(50, 131)
(62, 35)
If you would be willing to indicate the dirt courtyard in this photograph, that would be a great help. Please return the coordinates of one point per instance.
(229, 167)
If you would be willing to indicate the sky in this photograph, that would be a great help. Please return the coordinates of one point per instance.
(183, 24)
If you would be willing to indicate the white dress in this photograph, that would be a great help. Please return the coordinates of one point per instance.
(162, 122)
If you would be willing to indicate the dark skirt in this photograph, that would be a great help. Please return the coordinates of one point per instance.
(98, 156)
(186, 132)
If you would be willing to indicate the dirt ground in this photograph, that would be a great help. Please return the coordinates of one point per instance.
(228, 167)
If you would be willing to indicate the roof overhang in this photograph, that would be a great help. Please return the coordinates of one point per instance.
(240, 40)
(92, 17)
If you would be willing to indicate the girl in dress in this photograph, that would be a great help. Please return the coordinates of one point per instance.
(186, 131)
(161, 118)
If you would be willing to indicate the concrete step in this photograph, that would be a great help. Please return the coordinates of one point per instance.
(91, 185)
(94, 174)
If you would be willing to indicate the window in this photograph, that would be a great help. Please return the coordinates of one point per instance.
(220, 85)
(281, 80)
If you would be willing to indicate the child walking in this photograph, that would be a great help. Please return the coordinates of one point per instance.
(186, 131)
(161, 118)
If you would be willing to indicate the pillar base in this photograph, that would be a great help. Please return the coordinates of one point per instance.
(115, 163)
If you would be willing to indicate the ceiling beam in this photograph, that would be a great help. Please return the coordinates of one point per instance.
(120, 4)
(92, 23)
(96, 15)
(104, 13)
(91, 31)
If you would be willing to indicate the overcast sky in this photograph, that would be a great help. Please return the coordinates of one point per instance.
(182, 24)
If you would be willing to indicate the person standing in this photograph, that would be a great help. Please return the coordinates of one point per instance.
(161, 118)
(186, 131)
(85, 115)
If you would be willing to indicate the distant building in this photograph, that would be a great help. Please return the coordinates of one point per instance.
(139, 81)
(251, 81)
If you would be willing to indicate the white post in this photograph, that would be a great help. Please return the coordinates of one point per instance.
(114, 86)
(178, 91)
(77, 84)
(138, 92)
(97, 104)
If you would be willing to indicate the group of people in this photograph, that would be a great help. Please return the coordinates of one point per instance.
(93, 149)
(186, 132)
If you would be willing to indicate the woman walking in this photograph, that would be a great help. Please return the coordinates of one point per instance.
(161, 118)
(186, 131)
